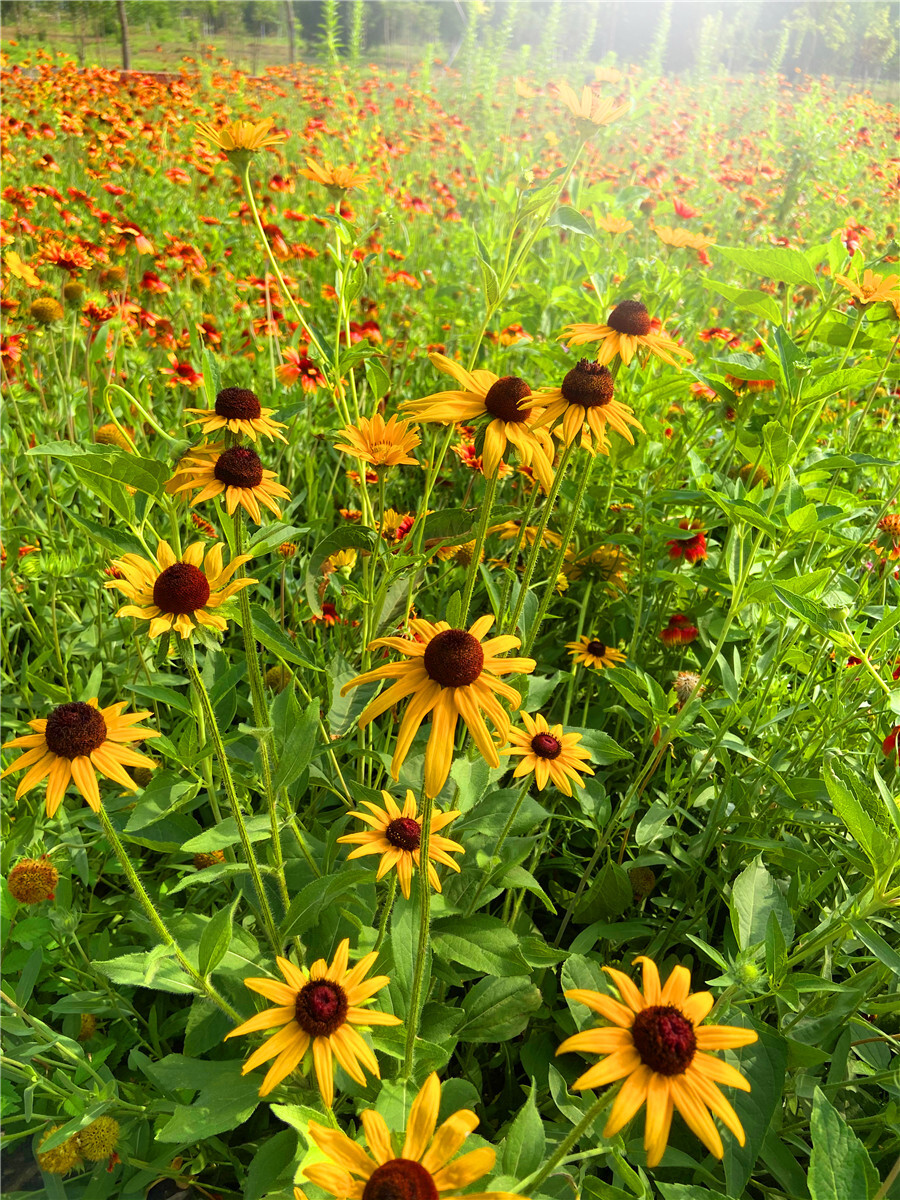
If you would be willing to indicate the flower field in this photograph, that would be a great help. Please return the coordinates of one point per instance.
(451, 643)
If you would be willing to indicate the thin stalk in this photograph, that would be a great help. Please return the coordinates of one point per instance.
(572, 1137)
(504, 833)
(386, 912)
(484, 520)
(424, 933)
(156, 920)
(190, 663)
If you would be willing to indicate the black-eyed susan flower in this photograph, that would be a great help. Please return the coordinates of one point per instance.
(238, 472)
(339, 179)
(628, 327)
(396, 834)
(178, 594)
(76, 741)
(585, 397)
(422, 1171)
(449, 673)
(593, 653)
(239, 139)
(319, 1009)
(238, 410)
(554, 756)
(379, 442)
(510, 406)
(510, 529)
(659, 1046)
(604, 564)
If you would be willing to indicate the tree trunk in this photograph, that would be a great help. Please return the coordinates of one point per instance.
(123, 26)
(289, 17)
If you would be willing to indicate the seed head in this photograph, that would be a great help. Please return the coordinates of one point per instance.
(45, 310)
(32, 880)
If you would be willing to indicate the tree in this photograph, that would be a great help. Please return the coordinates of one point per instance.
(123, 33)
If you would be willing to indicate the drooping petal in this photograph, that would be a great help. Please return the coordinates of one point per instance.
(422, 1119)
(631, 1096)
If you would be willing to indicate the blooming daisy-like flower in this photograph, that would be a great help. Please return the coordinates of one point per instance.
(872, 288)
(682, 238)
(449, 673)
(341, 179)
(592, 653)
(178, 593)
(658, 1045)
(317, 1008)
(628, 327)
(510, 529)
(299, 368)
(887, 539)
(679, 631)
(692, 548)
(238, 472)
(181, 372)
(508, 402)
(383, 444)
(239, 139)
(585, 396)
(422, 1171)
(238, 410)
(73, 743)
(614, 224)
(396, 834)
(552, 755)
(589, 108)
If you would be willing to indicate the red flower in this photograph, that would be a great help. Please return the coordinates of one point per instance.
(181, 372)
(298, 367)
(679, 631)
(683, 210)
(889, 746)
(692, 548)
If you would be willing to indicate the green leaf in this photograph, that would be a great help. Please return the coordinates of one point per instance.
(212, 377)
(273, 637)
(771, 262)
(754, 896)
(215, 939)
(758, 302)
(489, 282)
(270, 1165)
(608, 896)
(790, 357)
(688, 1191)
(763, 1063)
(145, 970)
(101, 464)
(813, 613)
(875, 942)
(377, 378)
(523, 1148)
(803, 520)
(307, 905)
(295, 750)
(839, 1166)
(779, 446)
(566, 217)
(225, 1098)
(481, 943)
(348, 537)
(877, 846)
(498, 1009)
(226, 834)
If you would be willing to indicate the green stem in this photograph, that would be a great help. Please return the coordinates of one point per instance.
(386, 911)
(517, 546)
(190, 663)
(572, 1137)
(159, 925)
(486, 875)
(487, 507)
(424, 933)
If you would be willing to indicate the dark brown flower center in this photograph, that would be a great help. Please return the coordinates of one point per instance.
(503, 398)
(237, 404)
(320, 1007)
(588, 384)
(181, 588)
(545, 745)
(630, 317)
(400, 1179)
(75, 729)
(596, 648)
(454, 658)
(664, 1039)
(239, 467)
(404, 833)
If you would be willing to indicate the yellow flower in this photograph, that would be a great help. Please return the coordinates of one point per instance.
(614, 224)
(73, 743)
(658, 1045)
(606, 564)
(62, 1158)
(585, 397)
(21, 270)
(318, 1008)
(552, 755)
(450, 673)
(628, 326)
(342, 179)
(396, 834)
(589, 108)
(237, 471)
(379, 443)
(178, 593)
(510, 529)
(505, 402)
(681, 238)
(872, 288)
(423, 1170)
(594, 654)
(238, 410)
(239, 139)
